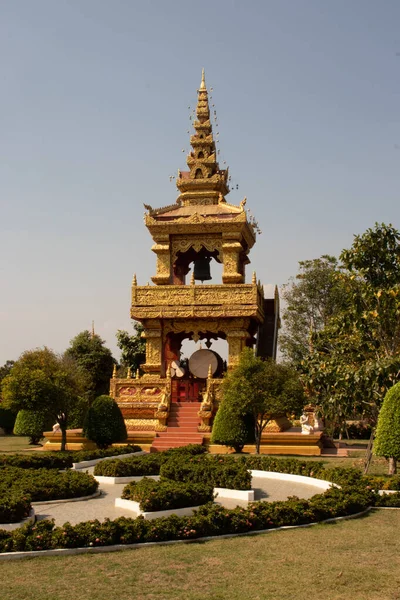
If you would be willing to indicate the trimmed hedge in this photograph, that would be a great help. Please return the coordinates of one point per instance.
(14, 506)
(81, 455)
(166, 495)
(225, 472)
(389, 500)
(209, 520)
(19, 487)
(50, 460)
(283, 465)
(62, 460)
(147, 464)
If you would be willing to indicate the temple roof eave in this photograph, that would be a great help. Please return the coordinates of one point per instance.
(237, 225)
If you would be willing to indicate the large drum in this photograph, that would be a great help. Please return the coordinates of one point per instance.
(200, 361)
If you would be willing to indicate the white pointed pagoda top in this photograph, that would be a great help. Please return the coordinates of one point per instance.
(203, 80)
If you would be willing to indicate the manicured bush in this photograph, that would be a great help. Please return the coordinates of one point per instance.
(225, 472)
(387, 440)
(32, 423)
(82, 455)
(283, 465)
(167, 495)
(389, 500)
(209, 520)
(46, 484)
(104, 423)
(14, 506)
(50, 460)
(147, 464)
(230, 427)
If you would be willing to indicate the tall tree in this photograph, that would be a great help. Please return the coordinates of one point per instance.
(133, 347)
(44, 382)
(263, 389)
(310, 300)
(356, 357)
(95, 360)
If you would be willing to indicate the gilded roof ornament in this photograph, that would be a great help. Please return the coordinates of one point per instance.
(203, 80)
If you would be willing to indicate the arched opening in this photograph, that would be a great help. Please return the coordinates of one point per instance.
(198, 174)
(189, 356)
(200, 154)
(204, 262)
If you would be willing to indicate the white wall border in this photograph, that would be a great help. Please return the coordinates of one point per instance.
(156, 514)
(112, 480)
(312, 481)
(85, 464)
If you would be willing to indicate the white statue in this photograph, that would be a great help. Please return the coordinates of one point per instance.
(56, 428)
(306, 428)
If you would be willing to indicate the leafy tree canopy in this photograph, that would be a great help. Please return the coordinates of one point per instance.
(355, 358)
(6, 368)
(45, 382)
(310, 300)
(263, 389)
(95, 360)
(133, 347)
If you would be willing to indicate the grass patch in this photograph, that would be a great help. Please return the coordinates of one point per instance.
(355, 559)
(16, 443)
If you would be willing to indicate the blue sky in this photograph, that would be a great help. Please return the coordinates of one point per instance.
(94, 117)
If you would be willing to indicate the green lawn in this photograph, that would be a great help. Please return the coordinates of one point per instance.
(357, 559)
(15, 443)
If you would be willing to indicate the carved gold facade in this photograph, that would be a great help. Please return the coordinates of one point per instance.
(201, 226)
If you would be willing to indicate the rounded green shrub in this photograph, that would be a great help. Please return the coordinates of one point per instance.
(387, 440)
(167, 495)
(32, 423)
(104, 423)
(231, 428)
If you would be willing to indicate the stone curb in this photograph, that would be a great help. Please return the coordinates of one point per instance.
(85, 464)
(13, 526)
(119, 547)
(62, 500)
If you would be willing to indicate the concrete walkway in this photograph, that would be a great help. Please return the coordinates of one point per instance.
(103, 507)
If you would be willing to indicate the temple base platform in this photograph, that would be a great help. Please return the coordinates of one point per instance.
(77, 441)
(290, 442)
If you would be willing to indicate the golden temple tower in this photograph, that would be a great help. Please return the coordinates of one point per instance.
(200, 229)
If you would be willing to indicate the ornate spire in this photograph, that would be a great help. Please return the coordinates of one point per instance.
(203, 80)
(205, 182)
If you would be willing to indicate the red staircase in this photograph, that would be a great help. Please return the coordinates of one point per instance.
(181, 428)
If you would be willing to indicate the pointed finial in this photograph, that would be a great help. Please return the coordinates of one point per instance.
(129, 373)
(254, 278)
(134, 280)
(114, 371)
(169, 372)
(209, 375)
(137, 374)
(192, 281)
(203, 80)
